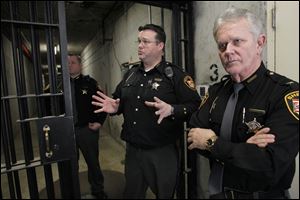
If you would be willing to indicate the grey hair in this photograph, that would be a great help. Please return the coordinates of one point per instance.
(233, 14)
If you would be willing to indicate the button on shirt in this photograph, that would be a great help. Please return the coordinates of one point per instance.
(140, 121)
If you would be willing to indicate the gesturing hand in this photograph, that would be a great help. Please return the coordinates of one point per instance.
(163, 109)
(109, 105)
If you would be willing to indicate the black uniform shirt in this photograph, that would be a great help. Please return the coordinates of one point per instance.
(140, 126)
(273, 101)
(85, 87)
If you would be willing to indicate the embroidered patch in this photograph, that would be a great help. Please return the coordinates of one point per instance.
(292, 103)
(189, 82)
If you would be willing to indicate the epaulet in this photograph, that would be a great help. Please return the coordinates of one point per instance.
(134, 65)
(89, 79)
(173, 66)
(86, 77)
(281, 80)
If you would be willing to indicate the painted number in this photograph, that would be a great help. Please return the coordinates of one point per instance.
(214, 69)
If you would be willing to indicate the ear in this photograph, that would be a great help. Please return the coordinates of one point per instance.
(261, 41)
(161, 45)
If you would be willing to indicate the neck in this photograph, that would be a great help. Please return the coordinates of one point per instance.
(150, 65)
(246, 73)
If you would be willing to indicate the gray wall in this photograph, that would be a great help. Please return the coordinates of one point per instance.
(206, 54)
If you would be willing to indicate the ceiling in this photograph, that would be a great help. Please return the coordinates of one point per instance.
(84, 19)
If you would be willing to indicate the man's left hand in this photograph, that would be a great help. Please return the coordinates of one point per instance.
(164, 109)
(262, 138)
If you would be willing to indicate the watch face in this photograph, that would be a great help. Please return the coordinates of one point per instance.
(209, 142)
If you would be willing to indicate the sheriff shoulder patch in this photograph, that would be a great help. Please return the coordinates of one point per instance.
(189, 82)
(292, 103)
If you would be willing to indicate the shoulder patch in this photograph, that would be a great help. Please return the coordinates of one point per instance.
(292, 103)
(188, 81)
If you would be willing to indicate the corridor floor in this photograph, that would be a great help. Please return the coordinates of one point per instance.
(112, 155)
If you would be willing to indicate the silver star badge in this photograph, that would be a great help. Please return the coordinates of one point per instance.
(84, 91)
(253, 126)
(155, 86)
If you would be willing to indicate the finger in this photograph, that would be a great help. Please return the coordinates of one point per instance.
(102, 95)
(264, 136)
(263, 131)
(158, 112)
(191, 146)
(160, 119)
(99, 110)
(157, 100)
(97, 104)
(117, 101)
(97, 98)
(262, 145)
(151, 104)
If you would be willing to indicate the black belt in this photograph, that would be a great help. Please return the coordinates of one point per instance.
(232, 194)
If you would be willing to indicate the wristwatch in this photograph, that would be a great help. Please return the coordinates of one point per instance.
(211, 142)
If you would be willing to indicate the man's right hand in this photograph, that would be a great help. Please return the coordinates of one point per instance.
(262, 138)
(107, 104)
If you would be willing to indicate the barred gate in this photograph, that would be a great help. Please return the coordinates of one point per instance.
(37, 139)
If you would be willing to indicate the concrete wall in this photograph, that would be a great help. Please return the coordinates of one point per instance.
(206, 52)
(103, 60)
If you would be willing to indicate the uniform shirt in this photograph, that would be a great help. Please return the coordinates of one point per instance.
(85, 87)
(140, 126)
(273, 101)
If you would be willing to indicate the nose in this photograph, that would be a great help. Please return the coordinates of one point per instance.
(140, 44)
(229, 48)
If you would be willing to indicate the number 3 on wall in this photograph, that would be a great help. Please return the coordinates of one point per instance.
(214, 69)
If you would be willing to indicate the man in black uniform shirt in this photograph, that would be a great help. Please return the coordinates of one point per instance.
(258, 158)
(87, 123)
(155, 99)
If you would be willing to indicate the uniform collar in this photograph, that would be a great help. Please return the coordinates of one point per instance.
(76, 78)
(252, 82)
(159, 67)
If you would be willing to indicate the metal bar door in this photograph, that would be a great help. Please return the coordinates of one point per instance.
(38, 146)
